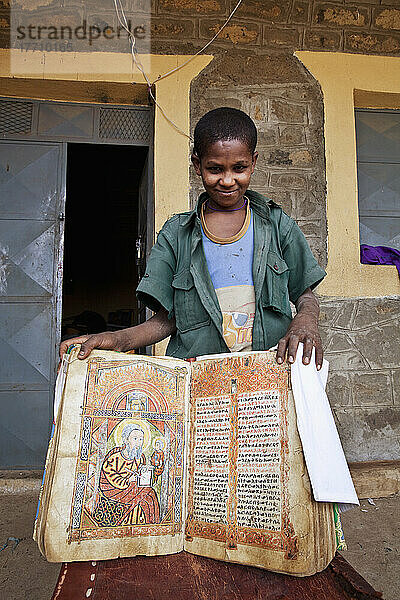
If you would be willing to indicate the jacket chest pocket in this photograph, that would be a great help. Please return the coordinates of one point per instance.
(189, 311)
(275, 293)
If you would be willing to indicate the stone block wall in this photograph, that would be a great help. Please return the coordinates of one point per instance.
(361, 340)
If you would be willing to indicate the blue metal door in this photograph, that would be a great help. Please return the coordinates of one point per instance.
(32, 198)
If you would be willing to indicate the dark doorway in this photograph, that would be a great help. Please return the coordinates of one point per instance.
(103, 257)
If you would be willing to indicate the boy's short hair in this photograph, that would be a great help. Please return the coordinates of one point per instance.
(224, 124)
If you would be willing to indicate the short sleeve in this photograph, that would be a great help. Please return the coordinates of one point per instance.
(155, 289)
(304, 271)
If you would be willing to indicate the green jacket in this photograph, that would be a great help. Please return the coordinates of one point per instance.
(177, 278)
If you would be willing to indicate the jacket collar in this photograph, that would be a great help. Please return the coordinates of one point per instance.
(259, 203)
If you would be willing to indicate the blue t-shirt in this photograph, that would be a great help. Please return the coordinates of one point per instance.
(230, 264)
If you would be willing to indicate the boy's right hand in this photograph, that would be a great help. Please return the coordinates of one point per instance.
(102, 341)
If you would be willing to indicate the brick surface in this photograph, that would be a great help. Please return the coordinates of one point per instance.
(281, 38)
(278, 157)
(257, 108)
(315, 135)
(260, 178)
(292, 135)
(206, 103)
(323, 40)
(192, 7)
(308, 204)
(235, 33)
(379, 345)
(372, 389)
(267, 137)
(345, 316)
(281, 197)
(338, 341)
(376, 312)
(288, 181)
(134, 6)
(318, 248)
(339, 390)
(291, 91)
(172, 28)
(396, 386)
(310, 228)
(372, 43)
(4, 19)
(55, 17)
(348, 360)
(265, 10)
(286, 112)
(335, 15)
(4, 37)
(301, 158)
(369, 433)
(387, 18)
(300, 12)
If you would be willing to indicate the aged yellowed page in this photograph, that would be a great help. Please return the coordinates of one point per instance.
(118, 486)
(41, 515)
(249, 496)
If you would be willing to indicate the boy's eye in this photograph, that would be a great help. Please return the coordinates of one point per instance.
(214, 169)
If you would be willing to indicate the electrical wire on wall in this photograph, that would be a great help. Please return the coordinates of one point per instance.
(136, 60)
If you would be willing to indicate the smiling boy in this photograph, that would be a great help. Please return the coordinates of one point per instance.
(220, 277)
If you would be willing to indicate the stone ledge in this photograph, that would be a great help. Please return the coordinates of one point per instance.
(20, 486)
(376, 479)
(20, 482)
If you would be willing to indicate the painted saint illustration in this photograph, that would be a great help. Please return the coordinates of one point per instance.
(157, 459)
(126, 480)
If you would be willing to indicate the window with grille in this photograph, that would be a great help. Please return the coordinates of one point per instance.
(378, 171)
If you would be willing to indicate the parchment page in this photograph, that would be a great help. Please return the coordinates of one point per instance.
(210, 466)
(119, 474)
(259, 462)
(246, 456)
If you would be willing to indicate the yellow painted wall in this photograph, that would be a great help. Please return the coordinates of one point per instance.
(340, 75)
(171, 148)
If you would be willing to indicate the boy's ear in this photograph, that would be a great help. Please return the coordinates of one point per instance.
(196, 163)
(253, 162)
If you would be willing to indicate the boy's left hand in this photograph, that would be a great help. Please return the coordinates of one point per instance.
(303, 328)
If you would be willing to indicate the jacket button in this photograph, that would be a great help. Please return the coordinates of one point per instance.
(275, 267)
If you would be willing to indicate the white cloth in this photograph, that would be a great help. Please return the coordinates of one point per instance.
(326, 463)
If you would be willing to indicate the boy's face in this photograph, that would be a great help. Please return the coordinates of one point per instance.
(226, 169)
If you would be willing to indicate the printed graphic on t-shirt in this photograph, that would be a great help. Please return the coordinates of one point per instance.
(238, 307)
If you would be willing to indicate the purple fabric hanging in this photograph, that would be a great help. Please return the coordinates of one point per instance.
(380, 255)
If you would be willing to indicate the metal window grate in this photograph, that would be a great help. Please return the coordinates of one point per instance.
(15, 117)
(125, 124)
(378, 166)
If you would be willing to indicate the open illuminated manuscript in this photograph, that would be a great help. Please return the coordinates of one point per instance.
(153, 456)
